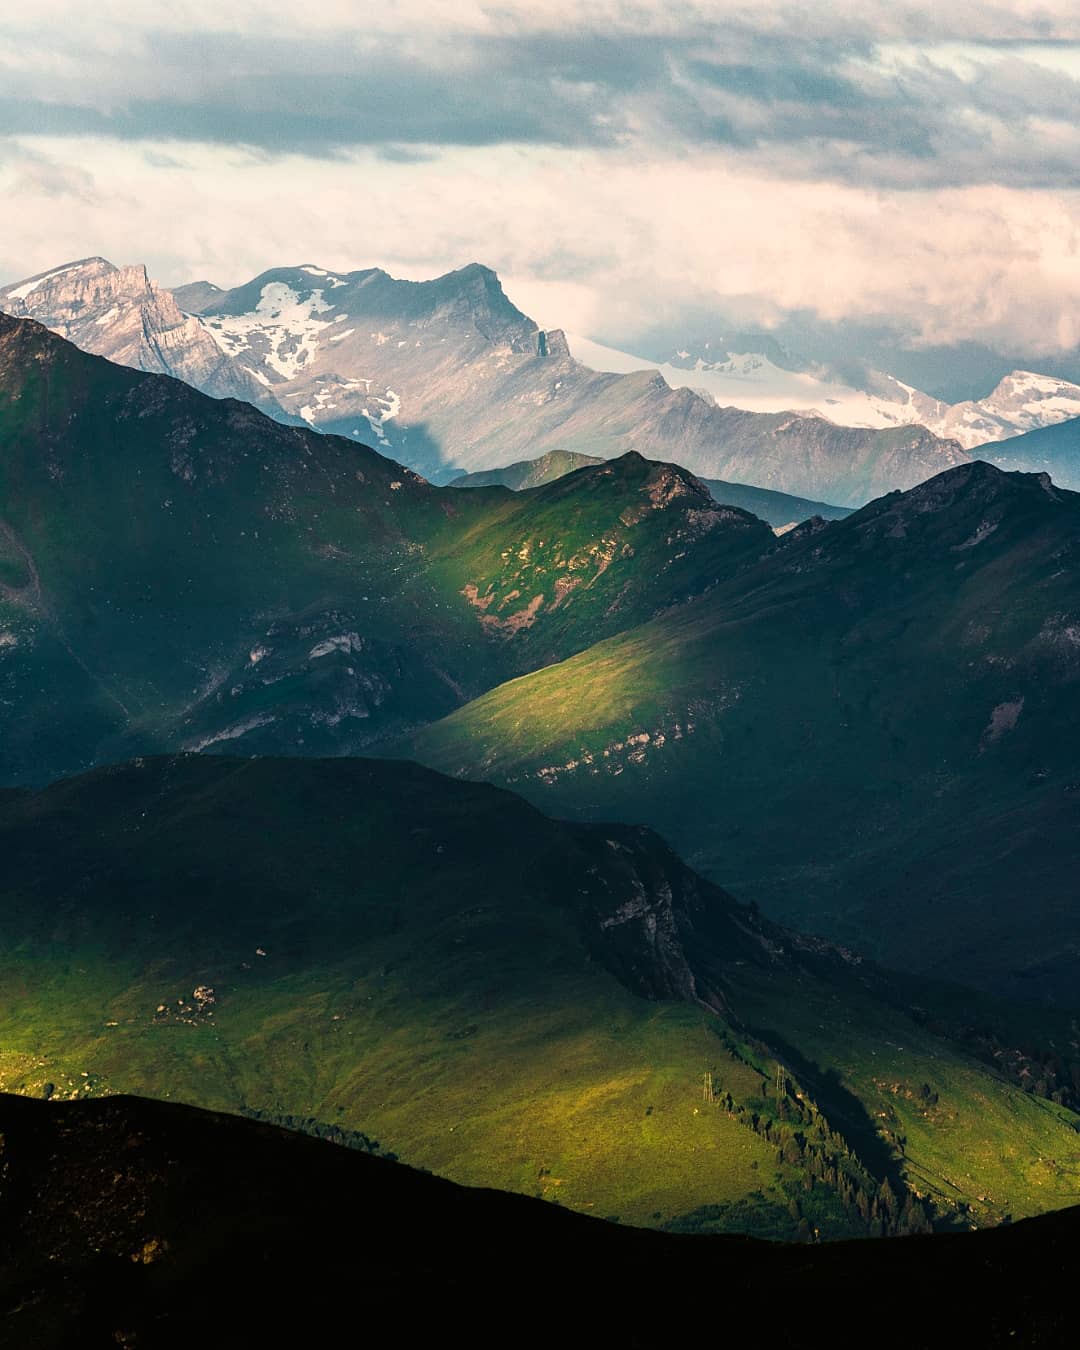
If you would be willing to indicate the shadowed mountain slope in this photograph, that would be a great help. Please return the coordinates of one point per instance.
(140, 1223)
(872, 731)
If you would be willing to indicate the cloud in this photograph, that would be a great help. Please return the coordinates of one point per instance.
(986, 93)
(592, 240)
(619, 161)
(33, 174)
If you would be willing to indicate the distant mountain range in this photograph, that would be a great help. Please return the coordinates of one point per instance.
(448, 375)
(755, 374)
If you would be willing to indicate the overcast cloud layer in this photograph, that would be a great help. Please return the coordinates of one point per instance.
(618, 163)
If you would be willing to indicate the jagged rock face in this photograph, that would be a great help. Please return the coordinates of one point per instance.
(367, 356)
(665, 932)
(449, 374)
(119, 313)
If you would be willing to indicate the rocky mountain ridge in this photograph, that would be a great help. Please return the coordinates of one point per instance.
(448, 375)
(121, 314)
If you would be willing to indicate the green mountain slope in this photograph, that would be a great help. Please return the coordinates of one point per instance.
(146, 1223)
(505, 999)
(177, 571)
(872, 732)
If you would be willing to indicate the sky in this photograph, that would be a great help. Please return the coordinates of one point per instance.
(623, 166)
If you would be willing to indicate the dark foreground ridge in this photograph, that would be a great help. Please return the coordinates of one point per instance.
(145, 1224)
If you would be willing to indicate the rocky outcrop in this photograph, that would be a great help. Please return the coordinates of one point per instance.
(664, 931)
(119, 313)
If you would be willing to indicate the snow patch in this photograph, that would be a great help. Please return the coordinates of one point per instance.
(325, 399)
(21, 292)
(282, 331)
(384, 410)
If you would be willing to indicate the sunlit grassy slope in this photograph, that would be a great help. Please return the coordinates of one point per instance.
(434, 963)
